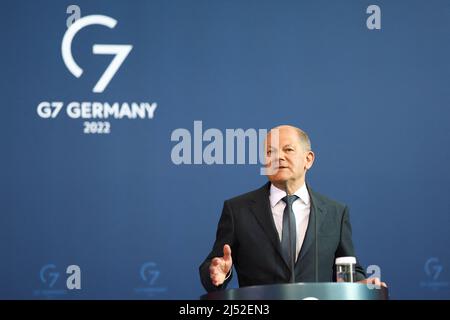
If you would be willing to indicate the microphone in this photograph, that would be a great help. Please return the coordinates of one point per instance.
(316, 244)
(292, 254)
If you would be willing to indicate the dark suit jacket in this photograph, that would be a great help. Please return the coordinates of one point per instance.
(247, 225)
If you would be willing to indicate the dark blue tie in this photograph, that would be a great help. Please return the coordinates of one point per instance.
(289, 250)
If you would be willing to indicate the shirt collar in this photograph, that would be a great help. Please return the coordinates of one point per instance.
(277, 194)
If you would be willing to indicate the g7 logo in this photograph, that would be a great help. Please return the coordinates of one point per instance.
(433, 268)
(148, 273)
(120, 51)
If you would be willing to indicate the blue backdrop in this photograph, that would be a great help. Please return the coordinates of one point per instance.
(374, 102)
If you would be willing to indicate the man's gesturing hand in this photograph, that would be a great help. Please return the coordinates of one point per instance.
(219, 267)
(373, 281)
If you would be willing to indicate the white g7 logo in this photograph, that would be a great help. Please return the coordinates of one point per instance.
(120, 51)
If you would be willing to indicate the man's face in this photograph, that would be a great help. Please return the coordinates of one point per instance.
(286, 159)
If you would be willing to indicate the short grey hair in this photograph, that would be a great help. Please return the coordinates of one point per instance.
(303, 136)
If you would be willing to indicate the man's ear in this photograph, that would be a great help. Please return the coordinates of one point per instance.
(309, 160)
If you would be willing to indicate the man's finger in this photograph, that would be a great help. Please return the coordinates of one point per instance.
(377, 282)
(226, 252)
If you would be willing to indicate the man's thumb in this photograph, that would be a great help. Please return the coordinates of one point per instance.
(226, 252)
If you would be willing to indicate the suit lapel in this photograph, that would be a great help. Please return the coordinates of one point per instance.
(317, 211)
(260, 207)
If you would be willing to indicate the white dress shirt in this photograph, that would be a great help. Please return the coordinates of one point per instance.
(301, 208)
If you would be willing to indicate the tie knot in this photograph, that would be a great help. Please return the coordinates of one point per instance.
(290, 199)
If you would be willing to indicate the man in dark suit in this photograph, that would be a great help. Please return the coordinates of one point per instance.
(265, 241)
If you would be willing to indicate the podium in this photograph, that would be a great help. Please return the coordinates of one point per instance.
(301, 291)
